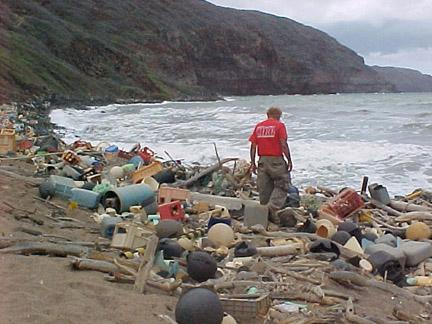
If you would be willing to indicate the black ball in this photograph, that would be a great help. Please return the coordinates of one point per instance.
(46, 189)
(341, 237)
(170, 248)
(352, 229)
(199, 306)
(201, 266)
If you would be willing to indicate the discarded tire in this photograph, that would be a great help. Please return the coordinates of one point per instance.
(198, 306)
(201, 266)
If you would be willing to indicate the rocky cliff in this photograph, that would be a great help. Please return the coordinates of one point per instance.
(406, 80)
(163, 49)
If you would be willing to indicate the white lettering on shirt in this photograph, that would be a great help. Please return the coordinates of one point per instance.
(266, 131)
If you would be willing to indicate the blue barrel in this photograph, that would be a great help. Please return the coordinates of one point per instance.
(62, 186)
(86, 198)
(121, 199)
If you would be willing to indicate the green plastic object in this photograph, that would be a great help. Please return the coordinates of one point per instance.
(102, 188)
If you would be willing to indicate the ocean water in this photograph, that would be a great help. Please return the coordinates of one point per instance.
(335, 140)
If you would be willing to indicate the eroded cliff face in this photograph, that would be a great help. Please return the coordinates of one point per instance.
(164, 49)
(406, 80)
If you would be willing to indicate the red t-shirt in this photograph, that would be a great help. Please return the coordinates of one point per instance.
(267, 135)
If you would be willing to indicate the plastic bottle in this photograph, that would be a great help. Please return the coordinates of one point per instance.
(420, 281)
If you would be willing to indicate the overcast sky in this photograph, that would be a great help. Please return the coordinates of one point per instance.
(384, 32)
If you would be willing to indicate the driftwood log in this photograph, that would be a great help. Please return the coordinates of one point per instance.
(96, 265)
(415, 215)
(358, 280)
(408, 207)
(281, 250)
(209, 170)
(28, 248)
(33, 181)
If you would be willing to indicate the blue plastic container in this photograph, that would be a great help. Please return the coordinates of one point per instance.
(62, 186)
(108, 226)
(112, 149)
(86, 198)
(137, 161)
(121, 199)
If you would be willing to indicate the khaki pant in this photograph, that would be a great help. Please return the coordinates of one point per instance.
(273, 182)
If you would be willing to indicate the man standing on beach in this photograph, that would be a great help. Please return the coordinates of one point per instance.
(274, 179)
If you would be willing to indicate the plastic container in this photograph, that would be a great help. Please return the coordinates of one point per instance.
(168, 194)
(416, 252)
(146, 171)
(86, 198)
(121, 199)
(146, 154)
(111, 152)
(7, 140)
(108, 225)
(70, 172)
(420, 281)
(137, 161)
(293, 198)
(173, 210)
(379, 192)
(255, 214)
(247, 309)
(62, 186)
(165, 176)
(397, 254)
(152, 183)
(344, 204)
(325, 228)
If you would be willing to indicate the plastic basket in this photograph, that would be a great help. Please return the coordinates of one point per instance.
(250, 310)
(7, 141)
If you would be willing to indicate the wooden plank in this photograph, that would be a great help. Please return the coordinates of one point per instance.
(146, 264)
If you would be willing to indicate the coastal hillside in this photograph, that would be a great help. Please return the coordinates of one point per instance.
(406, 80)
(110, 50)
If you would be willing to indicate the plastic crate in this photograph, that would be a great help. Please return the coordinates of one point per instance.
(168, 194)
(250, 310)
(7, 141)
(172, 210)
(129, 236)
(146, 171)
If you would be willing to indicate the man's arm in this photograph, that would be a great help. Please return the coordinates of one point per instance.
(286, 153)
(253, 156)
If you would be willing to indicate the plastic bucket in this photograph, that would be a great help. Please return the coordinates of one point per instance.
(152, 183)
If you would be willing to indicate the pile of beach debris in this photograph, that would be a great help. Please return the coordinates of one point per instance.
(199, 233)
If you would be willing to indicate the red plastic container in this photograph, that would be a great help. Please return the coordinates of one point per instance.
(173, 210)
(146, 154)
(341, 206)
